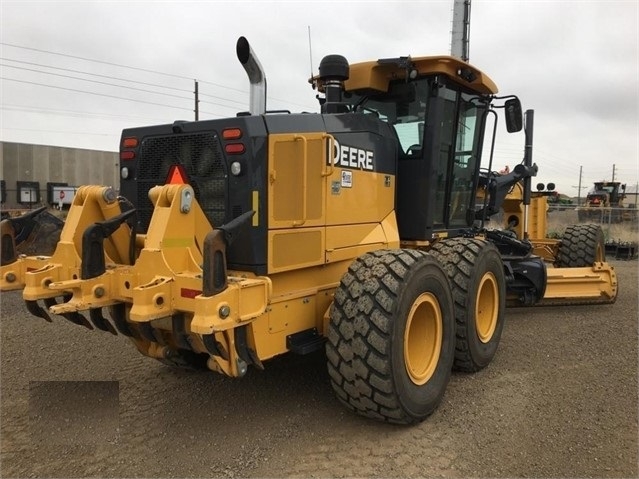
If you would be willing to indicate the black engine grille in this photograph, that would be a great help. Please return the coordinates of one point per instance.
(201, 156)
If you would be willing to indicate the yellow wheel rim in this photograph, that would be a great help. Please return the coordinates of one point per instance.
(423, 338)
(487, 307)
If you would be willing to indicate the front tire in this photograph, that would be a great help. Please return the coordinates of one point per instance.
(581, 245)
(391, 336)
(476, 274)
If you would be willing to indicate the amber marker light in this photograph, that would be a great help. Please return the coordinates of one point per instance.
(130, 142)
(232, 134)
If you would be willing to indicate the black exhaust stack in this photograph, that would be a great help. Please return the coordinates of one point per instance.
(529, 119)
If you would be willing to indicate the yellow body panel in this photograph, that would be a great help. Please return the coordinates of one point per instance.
(297, 180)
(295, 248)
(370, 197)
(348, 242)
(537, 213)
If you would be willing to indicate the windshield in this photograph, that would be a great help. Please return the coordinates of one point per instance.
(403, 107)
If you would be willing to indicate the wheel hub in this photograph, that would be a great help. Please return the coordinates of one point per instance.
(423, 338)
(486, 307)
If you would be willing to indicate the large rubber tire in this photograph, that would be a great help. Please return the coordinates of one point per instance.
(391, 336)
(581, 245)
(476, 274)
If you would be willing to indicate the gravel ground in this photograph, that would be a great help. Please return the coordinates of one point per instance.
(559, 400)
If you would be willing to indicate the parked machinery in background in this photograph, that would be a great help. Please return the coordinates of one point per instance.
(606, 204)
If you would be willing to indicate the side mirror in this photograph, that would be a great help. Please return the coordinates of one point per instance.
(514, 118)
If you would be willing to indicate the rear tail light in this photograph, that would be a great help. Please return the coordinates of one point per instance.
(126, 153)
(234, 148)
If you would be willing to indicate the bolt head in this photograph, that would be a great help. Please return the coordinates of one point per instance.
(224, 311)
(109, 195)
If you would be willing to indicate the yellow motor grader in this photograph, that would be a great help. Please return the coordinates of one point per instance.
(361, 230)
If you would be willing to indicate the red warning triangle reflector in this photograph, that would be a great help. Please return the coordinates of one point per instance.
(176, 176)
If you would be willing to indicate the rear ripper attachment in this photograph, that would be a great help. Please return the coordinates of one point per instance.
(176, 302)
(35, 232)
(91, 204)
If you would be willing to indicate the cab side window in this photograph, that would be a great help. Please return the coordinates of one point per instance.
(465, 160)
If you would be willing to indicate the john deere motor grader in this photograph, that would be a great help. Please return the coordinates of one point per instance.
(361, 230)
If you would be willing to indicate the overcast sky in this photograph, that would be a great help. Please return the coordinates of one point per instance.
(576, 63)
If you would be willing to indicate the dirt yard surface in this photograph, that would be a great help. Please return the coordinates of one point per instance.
(559, 400)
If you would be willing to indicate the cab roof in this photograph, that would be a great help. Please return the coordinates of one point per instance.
(375, 76)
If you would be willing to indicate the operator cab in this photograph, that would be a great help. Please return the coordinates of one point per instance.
(439, 128)
(437, 107)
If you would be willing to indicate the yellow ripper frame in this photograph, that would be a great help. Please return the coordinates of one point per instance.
(166, 279)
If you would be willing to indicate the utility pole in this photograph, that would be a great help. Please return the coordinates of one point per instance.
(579, 187)
(460, 36)
(197, 101)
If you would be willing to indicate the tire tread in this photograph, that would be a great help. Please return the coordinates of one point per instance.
(358, 349)
(579, 244)
(458, 256)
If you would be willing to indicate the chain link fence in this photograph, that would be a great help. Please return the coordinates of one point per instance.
(620, 226)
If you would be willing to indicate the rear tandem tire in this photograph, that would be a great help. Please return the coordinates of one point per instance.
(581, 245)
(391, 336)
(476, 274)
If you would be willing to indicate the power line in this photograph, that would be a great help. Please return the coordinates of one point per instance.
(72, 113)
(96, 75)
(246, 92)
(220, 98)
(127, 87)
(139, 69)
(146, 70)
(95, 61)
(51, 111)
(227, 87)
(61, 131)
(96, 81)
(92, 93)
(224, 106)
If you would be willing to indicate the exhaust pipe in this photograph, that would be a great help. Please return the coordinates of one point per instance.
(256, 76)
